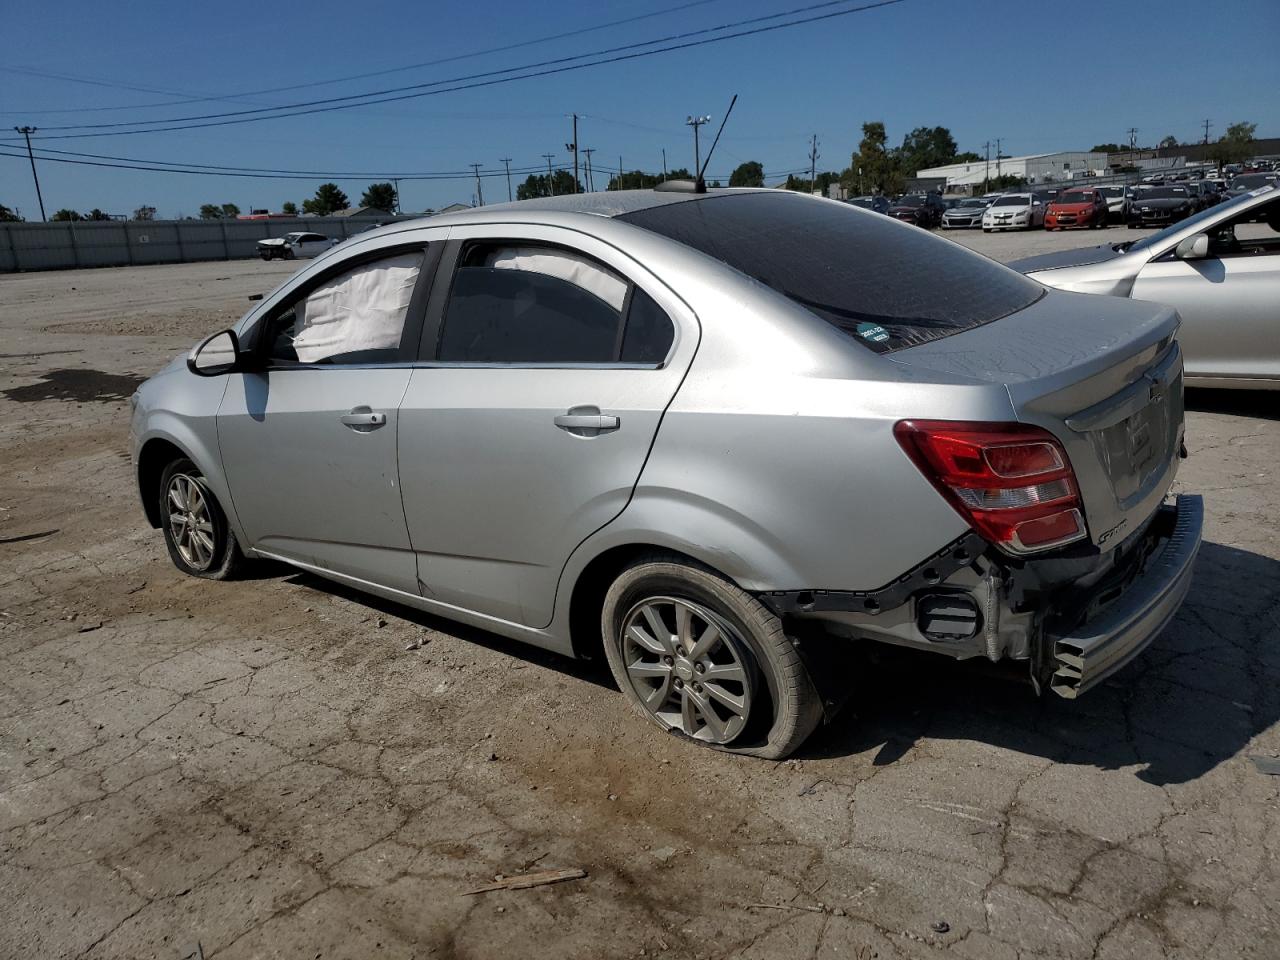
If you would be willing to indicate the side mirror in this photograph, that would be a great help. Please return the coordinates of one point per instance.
(1192, 248)
(215, 356)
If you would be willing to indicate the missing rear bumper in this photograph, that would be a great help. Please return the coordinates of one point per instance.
(1100, 646)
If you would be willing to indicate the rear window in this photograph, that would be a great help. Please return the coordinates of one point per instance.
(886, 285)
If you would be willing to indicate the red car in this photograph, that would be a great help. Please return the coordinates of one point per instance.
(1076, 208)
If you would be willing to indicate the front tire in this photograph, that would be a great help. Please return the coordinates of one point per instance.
(705, 660)
(196, 532)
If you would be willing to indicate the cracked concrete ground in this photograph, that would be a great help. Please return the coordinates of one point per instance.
(262, 769)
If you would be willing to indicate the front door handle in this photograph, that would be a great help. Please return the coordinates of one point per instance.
(586, 422)
(363, 417)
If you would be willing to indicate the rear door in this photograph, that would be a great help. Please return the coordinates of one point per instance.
(552, 359)
(308, 441)
(1228, 301)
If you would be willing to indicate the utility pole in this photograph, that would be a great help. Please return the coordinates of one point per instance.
(396, 181)
(619, 171)
(998, 158)
(479, 189)
(591, 183)
(664, 164)
(574, 147)
(27, 132)
(813, 161)
(1207, 125)
(551, 183)
(696, 122)
(986, 170)
(506, 161)
(1133, 141)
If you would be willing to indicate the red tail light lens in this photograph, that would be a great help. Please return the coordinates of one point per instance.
(1011, 481)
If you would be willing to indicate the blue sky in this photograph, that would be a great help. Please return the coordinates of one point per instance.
(1059, 82)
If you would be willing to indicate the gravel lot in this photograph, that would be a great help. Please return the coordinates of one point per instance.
(263, 769)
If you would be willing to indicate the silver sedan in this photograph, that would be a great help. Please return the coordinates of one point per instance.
(1220, 269)
(719, 439)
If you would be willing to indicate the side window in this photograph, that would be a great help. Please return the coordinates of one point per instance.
(649, 332)
(357, 316)
(1256, 233)
(532, 304)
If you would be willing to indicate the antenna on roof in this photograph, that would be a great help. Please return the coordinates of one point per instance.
(702, 186)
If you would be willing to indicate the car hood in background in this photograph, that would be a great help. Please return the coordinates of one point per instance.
(1069, 207)
(896, 211)
(1067, 258)
(1162, 203)
(272, 242)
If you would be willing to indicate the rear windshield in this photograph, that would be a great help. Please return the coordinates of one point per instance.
(886, 285)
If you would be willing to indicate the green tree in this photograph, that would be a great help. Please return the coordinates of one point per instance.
(926, 147)
(380, 196)
(1106, 148)
(966, 157)
(230, 211)
(536, 185)
(289, 208)
(144, 212)
(328, 199)
(65, 214)
(1235, 146)
(210, 211)
(96, 214)
(1169, 142)
(749, 174)
(8, 216)
(874, 168)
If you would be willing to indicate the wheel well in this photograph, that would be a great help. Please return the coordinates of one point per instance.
(586, 603)
(154, 457)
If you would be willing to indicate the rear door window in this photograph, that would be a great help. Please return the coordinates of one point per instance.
(534, 304)
(886, 285)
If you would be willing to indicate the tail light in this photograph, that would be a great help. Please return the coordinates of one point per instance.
(1012, 482)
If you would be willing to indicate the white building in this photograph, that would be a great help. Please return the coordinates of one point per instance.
(1035, 168)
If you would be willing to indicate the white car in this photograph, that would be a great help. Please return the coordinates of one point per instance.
(1118, 198)
(295, 246)
(1014, 211)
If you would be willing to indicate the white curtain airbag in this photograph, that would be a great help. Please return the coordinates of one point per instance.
(363, 309)
(579, 271)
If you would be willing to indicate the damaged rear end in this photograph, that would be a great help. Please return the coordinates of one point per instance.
(1077, 556)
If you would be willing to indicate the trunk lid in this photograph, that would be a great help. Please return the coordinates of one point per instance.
(1104, 375)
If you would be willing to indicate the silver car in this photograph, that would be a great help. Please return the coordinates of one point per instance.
(1219, 268)
(721, 439)
(966, 213)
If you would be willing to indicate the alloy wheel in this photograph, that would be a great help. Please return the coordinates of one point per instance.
(190, 522)
(689, 668)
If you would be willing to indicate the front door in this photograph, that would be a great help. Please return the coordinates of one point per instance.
(1228, 303)
(309, 442)
(528, 431)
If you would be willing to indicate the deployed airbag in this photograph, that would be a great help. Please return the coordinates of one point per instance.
(360, 311)
(579, 271)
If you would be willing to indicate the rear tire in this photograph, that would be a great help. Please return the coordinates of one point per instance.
(196, 532)
(706, 661)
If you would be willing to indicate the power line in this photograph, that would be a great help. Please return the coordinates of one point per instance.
(464, 175)
(193, 98)
(477, 80)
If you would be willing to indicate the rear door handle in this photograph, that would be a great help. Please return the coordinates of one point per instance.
(363, 417)
(586, 421)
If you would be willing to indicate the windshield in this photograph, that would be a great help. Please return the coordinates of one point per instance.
(974, 202)
(863, 201)
(911, 200)
(884, 286)
(1074, 197)
(1163, 193)
(1251, 180)
(1210, 213)
(1112, 191)
(1012, 200)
